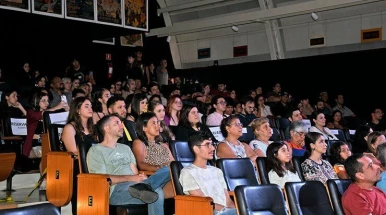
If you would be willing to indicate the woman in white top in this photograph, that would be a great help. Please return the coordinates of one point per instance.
(319, 121)
(280, 169)
(262, 109)
(231, 147)
(263, 132)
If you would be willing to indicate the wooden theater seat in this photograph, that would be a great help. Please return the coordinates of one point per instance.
(60, 172)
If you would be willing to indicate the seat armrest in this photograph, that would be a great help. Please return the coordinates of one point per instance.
(191, 205)
(231, 193)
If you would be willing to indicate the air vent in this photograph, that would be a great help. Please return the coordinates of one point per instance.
(371, 35)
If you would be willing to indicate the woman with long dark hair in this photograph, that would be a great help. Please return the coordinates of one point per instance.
(314, 168)
(100, 100)
(78, 130)
(152, 155)
(280, 169)
(340, 151)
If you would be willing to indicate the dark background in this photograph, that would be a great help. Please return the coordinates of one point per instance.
(49, 44)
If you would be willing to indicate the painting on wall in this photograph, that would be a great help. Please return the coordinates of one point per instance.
(109, 12)
(53, 8)
(82, 10)
(19, 5)
(136, 14)
(133, 40)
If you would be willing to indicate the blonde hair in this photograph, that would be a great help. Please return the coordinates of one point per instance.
(256, 123)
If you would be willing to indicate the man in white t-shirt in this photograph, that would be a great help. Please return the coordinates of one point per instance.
(199, 179)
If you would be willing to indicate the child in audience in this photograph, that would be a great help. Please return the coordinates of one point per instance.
(280, 169)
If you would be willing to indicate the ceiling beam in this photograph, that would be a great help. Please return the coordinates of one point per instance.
(188, 5)
(256, 15)
(206, 7)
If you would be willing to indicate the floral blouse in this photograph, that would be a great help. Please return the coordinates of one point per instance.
(313, 171)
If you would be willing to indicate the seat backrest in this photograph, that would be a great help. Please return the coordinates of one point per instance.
(54, 134)
(282, 123)
(248, 135)
(39, 209)
(339, 134)
(54, 117)
(264, 199)
(237, 171)
(275, 135)
(308, 198)
(175, 171)
(297, 162)
(336, 188)
(7, 161)
(181, 152)
(262, 170)
(82, 157)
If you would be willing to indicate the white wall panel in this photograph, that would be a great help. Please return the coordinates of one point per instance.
(221, 48)
(188, 52)
(371, 21)
(316, 30)
(257, 43)
(296, 38)
(342, 32)
(240, 40)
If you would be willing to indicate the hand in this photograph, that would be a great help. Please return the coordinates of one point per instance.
(139, 178)
(16, 105)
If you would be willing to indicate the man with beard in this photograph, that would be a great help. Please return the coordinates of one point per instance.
(56, 94)
(116, 105)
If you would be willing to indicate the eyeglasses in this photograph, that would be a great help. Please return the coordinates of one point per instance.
(251, 108)
(237, 124)
(223, 103)
(379, 112)
(301, 133)
(209, 144)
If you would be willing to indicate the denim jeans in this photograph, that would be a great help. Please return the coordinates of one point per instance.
(121, 195)
(227, 211)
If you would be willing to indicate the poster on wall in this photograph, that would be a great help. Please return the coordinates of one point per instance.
(136, 14)
(132, 40)
(109, 12)
(203, 53)
(53, 8)
(107, 41)
(82, 10)
(19, 5)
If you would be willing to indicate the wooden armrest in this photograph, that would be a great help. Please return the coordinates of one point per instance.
(231, 193)
(45, 149)
(146, 172)
(192, 205)
(11, 138)
(91, 200)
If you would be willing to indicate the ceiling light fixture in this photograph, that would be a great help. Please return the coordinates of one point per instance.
(235, 28)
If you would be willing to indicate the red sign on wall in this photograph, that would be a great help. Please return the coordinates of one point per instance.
(108, 56)
(239, 51)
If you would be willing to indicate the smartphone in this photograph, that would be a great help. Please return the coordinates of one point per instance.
(64, 98)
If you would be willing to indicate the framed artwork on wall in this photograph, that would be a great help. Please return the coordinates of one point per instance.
(136, 14)
(82, 10)
(54, 8)
(133, 40)
(109, 12)
(107, 41)
(18, 5)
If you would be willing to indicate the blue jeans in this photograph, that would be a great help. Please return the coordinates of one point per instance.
(121, 195)
(227, 211)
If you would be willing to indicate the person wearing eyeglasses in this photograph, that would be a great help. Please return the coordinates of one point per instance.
(248, 106)
(298, 131)
(216, 115)
(200, 179)
(231, 147)
(376, 120)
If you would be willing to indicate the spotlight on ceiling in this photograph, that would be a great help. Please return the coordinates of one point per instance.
(168, 39)
(235, 28)
(314, 16)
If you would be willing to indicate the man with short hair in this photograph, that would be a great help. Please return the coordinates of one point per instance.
(116, 105)
(199, 179)
(292, 115)
(362, 197)
(117, 160)
(248, 106)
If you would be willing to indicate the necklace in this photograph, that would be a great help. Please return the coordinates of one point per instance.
(151, 142)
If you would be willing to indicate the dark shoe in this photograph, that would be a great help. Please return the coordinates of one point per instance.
(144, 192)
